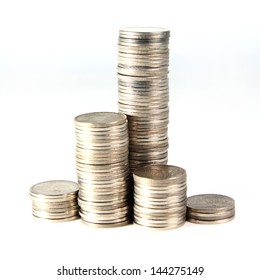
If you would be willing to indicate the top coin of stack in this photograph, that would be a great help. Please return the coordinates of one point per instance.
(55, 200)
(102, 168)
(210, 209)
(143, 92)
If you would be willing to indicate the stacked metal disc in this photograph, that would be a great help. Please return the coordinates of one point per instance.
(210, 209)
(143, 92)
(103, 169)
(55, 200)
(160, 196)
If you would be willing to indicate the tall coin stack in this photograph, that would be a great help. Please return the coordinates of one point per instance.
(143, 92)
(103, 169)
(160, 196)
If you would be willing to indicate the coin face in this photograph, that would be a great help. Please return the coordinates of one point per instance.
(160, 172)
(101, 118)
(144, 29)
(210, 202)
(54, 188)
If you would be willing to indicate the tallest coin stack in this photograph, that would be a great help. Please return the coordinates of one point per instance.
(143, 92)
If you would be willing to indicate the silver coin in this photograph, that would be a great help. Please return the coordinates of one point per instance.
(144, 50)
(162, 81)
(104, 207)
(105, 217)
(54, 189)
(138, 163)
(107, 225)
(54, 215)
(145, 30)
(211, 217)
(155, 211)
(100, 119)
(160, 172)
(52, 220)
(94, 197)
(161, 218)
(50, 209)
(106, 210)
(210, 203)
(54, 204)
(163, 225)
(218, 221)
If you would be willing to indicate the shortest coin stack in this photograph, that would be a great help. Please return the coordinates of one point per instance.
(160, 196)
(55, 200)
(210, 209)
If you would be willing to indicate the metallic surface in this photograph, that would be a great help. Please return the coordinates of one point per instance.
(160, 196)
(103, 170)
(210, 208)
(55, 200)
(143, 92)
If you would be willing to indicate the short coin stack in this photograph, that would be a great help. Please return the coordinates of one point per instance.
(210, 209)
(103, 169)
(160, 196)
(143, 92)
(55, 200)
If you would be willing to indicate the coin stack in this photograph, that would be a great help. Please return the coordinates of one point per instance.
(210, 209)
(160, 196)
(103, 169)
(143, 92)
(55, 200)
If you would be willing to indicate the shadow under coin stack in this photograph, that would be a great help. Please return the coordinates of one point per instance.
(143, 92)
(55, 201)
(103, 169)
(160, 196)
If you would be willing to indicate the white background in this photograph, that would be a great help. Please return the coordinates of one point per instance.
(58, 60)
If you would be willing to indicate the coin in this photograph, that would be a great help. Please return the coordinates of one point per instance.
(100, 119)
(107, 225)
(206, 222)
(210, 208)
(210, 203)
(54, 189)
(55, 200)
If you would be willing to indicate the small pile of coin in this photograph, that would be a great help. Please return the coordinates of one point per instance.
(143, 92)
(55, 200)
(160, 196)
(210, 209)
(103, 169)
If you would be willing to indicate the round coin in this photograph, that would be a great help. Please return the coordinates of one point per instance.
(54, 189)
(210, 203)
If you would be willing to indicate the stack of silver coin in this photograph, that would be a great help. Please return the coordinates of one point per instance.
(210, 209)
(143, 92)
(55, 200)
(160, 196)
(103, 169)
